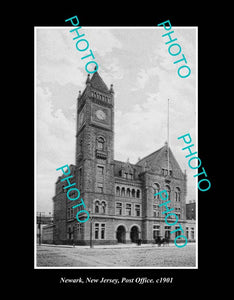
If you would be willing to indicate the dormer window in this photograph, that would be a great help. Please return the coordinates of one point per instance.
(130, 176)
(165, 172)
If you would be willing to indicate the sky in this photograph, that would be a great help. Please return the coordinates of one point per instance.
(136, 61)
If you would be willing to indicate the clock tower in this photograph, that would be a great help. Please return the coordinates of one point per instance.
(95, 149)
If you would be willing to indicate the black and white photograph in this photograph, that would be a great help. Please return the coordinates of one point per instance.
(116, 167)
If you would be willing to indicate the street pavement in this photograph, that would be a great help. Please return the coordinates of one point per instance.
(120, 256)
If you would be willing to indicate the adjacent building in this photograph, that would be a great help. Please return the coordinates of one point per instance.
(191, 210)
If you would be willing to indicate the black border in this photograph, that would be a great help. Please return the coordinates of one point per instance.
(110, 15)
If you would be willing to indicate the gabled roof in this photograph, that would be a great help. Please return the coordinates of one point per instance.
(149, 157)
(157, 161)
(97, 83)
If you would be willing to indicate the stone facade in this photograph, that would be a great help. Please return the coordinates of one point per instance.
(119, 195)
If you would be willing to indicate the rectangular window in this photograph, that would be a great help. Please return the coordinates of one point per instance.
(187, 233)
(118, 208)
(128, 209)
(96, 234)
(130, 176)
(177, 233)
(156, 231)
(137, 210)
(100, 188)
(99, 231)
(192, 233)
(154, 210)
(100, 170)
(167, 232)
(103, 229)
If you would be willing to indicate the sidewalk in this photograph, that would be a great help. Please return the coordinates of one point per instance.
(117, 246)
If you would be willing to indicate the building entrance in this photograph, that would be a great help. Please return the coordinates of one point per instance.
(134, 234)
(121, 234)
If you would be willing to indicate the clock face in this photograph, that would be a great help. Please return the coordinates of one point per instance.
(100, 114)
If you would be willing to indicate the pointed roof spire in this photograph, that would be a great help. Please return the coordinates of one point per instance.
(97, 83)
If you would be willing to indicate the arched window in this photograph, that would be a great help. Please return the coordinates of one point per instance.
(117, 191)
(123, 192)
(133, 193)
(100, 143)
(168, 189)
(103, 206)
(97, 207)
(138, 193)
(128, 192)
(156, 188)
(177, 194)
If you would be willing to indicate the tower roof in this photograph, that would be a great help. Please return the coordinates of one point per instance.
(97, 83)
